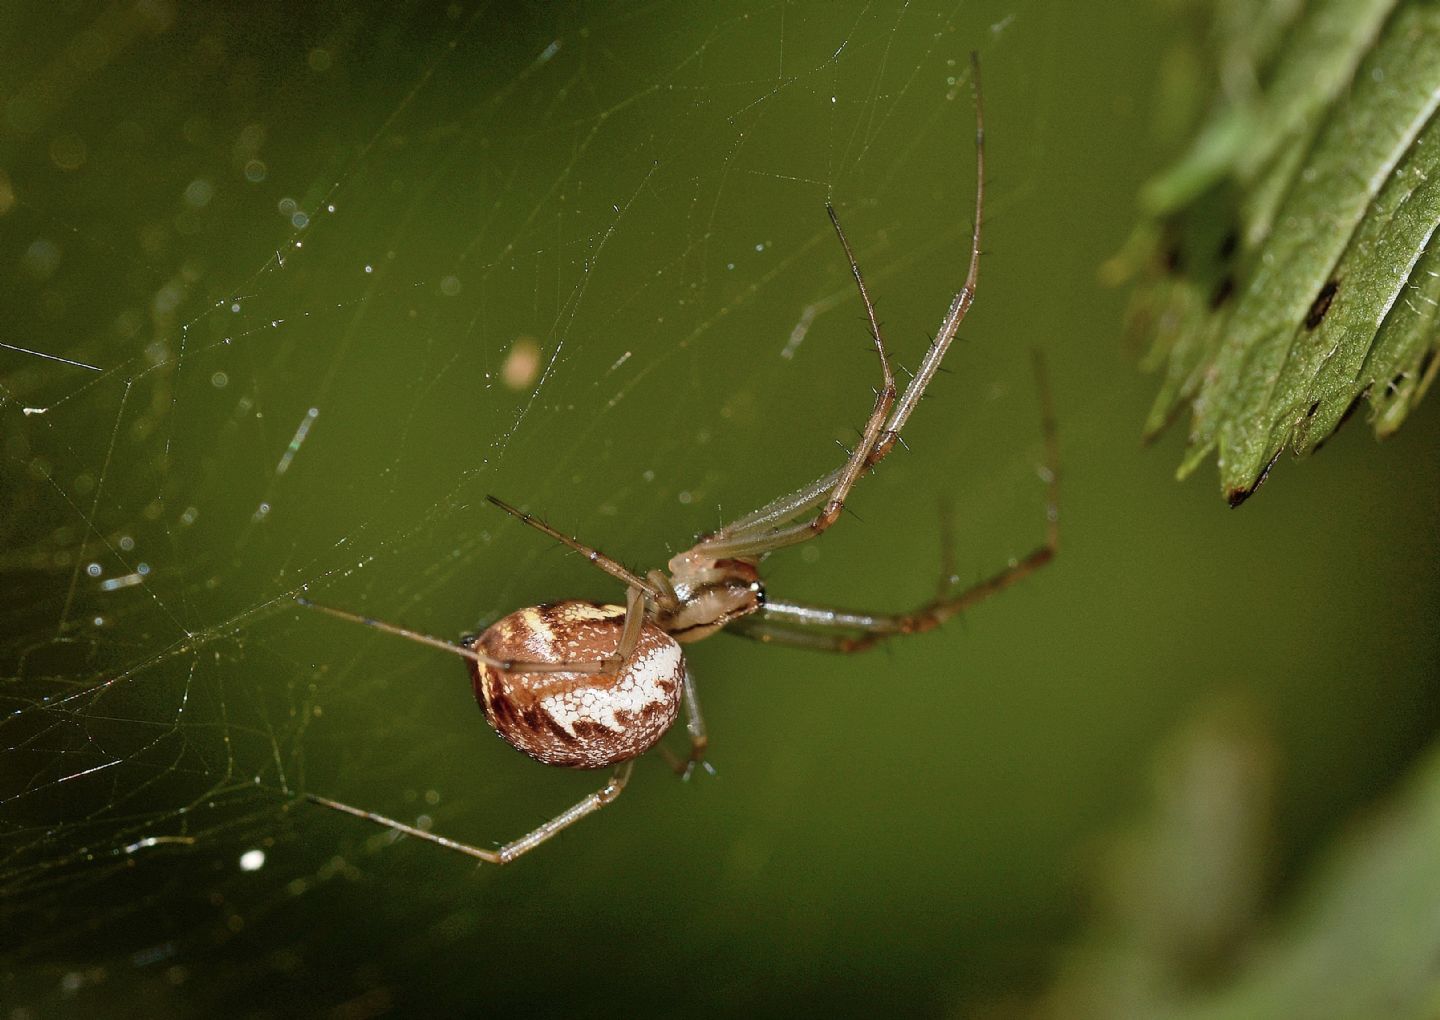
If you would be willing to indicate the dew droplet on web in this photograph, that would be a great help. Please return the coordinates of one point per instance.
(522, 364)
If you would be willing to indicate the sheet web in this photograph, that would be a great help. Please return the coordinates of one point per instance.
(287, 297)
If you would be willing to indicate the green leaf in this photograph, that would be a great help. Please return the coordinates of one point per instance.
(1179, 929)
(1299, 239)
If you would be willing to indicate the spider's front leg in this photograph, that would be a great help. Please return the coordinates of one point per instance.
(769, 528)
(839, 630)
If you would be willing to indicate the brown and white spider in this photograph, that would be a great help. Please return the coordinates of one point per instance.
(583, 685)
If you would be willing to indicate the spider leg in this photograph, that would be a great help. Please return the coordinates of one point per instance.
(841, 630)
(884, 398)
(847, 631)
(695, 727)
(780, 511)
(464, 651)
(660, 581)
(507, 853)
(959, 305)
(635, 602)
(612, 567)
(633, 626)
(829, 493)
(771, 633)
(768, 528)
(636, 608)
(641, 593)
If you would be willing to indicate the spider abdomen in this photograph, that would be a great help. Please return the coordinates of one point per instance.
(572, 719)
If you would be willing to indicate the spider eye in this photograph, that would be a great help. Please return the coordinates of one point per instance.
(468, 641)
(759, 591)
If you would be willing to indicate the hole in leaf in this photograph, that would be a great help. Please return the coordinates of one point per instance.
(1321, 304)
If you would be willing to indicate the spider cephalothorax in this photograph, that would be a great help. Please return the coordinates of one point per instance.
(706, 594)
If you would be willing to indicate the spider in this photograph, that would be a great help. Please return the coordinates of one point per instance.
(588, 686)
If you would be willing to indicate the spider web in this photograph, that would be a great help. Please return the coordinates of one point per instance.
(292, 287)
(291, 290)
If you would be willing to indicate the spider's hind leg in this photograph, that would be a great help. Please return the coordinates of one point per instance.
(507, 853)
(699, 739)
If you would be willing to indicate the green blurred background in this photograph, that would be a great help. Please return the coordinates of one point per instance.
(239, 215)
